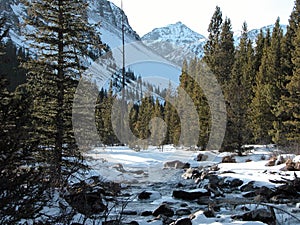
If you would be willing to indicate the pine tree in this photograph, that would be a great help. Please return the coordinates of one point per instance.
(259, 113)
(203, 108)
(171, 118)
(293, 100)
(259, 48)
(211, 48)
(10, 65)
(22, 185)
(226, 52)
(268, 88)
(280, 128)
(62, 37)
(157, 129)
(219, 49)
(239, 95)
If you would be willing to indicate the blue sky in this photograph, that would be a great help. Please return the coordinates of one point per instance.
(145, 15)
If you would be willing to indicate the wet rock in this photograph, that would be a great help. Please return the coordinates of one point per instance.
(215, 190)
(183, 205)
(146, 213)
(265, 192)
(235, 183)
(262, 215)
(149, 195)
(111, 222)
(119, 167)
(86, 203)
(271, 161)
(201, 157)
(290, 165)
(163, 209)
(132, 223)
(248, 187)
(297, 166)
(183, 212)
(191, 195)
(191, 173)
(130, 212)
(213, 179)
(182, 221)
(228, 159)
(176, 164)
(249, 194)
(209, 213)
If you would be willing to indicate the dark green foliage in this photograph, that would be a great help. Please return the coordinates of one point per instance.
(22, 183)
(63, 36)
(239, 95)
(10, 65)
(292, 102)
(219, 49)
(268, 88)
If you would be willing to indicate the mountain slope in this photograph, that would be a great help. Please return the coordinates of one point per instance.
(110, 18)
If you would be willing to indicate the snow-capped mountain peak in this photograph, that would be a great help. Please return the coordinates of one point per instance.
(175, 42)
(175, 33)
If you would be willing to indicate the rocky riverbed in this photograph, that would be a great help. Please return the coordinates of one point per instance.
(182, 187)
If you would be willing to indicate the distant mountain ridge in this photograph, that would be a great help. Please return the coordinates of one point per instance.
(177, 41)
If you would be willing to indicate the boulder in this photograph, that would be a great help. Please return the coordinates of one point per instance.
(163, 209)
(231, 183)
(176, 164)
(250, 186)
(130, 212)
(297, 166)
(182, 221)
(119, 167)
(146, 213)
(228, 159)
(183, 212)
(201, 157)
(190, 195)
(149, 195)
(191, 173)
(261, 214)
(86, 203)
(290, 165)
(132, 223)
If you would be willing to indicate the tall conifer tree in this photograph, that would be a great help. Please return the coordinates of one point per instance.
(60, 39)
(238, 95)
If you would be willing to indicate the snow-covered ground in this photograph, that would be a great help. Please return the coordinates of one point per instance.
(144, 170)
